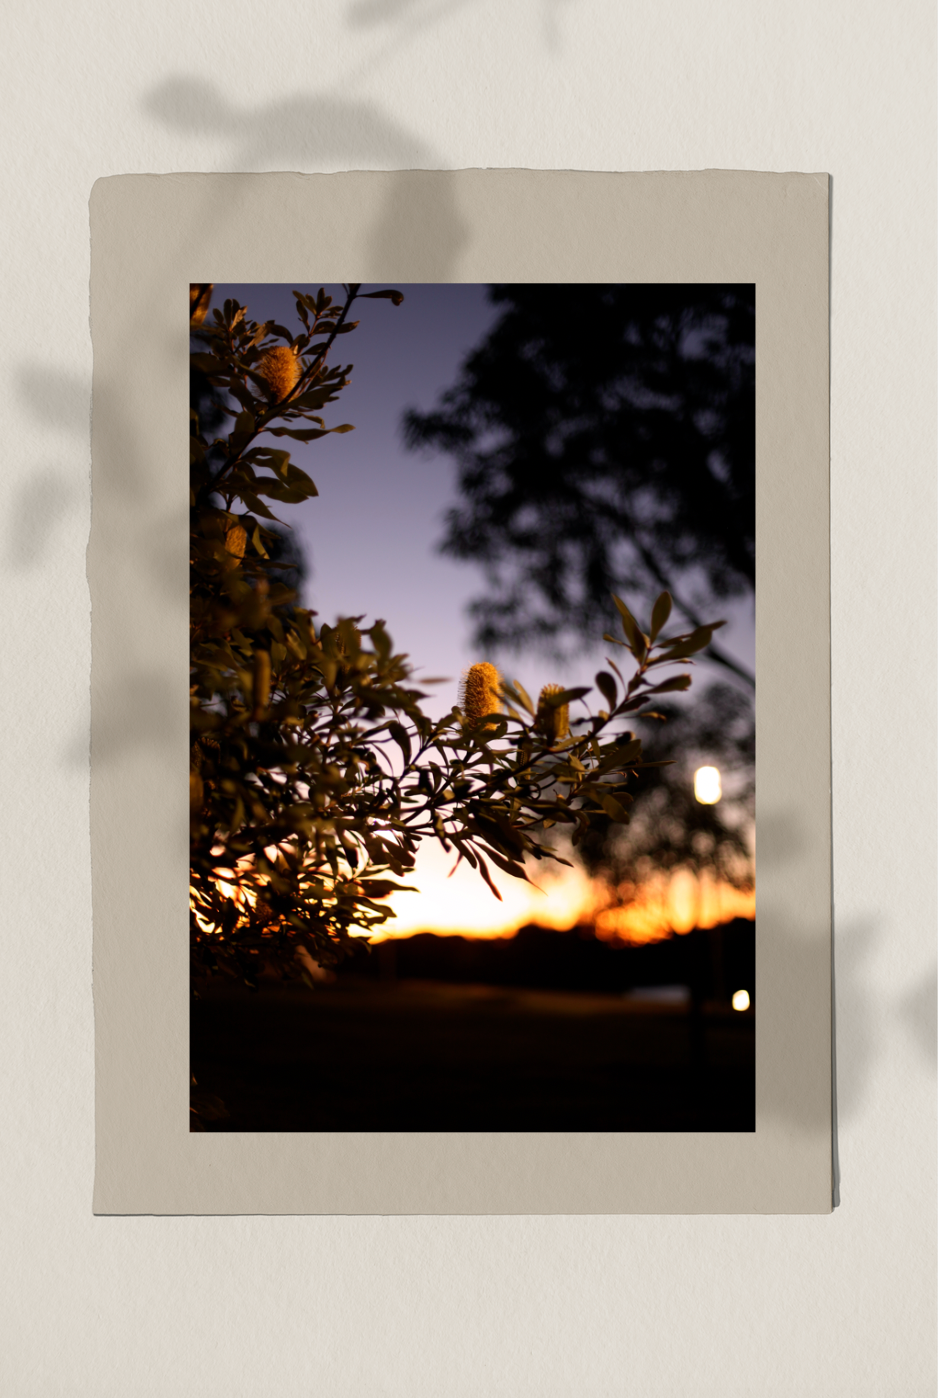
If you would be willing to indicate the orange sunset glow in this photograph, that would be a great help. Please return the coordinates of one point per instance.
(458, 903)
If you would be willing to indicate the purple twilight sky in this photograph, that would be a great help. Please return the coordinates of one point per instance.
(371, 536)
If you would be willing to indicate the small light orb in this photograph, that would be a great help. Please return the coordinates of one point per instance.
(707, 787)
(741, 1000)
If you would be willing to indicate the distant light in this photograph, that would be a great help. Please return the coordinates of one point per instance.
(741, 1000)
(707, 787)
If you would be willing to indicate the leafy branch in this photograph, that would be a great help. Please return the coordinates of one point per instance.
(315, 774)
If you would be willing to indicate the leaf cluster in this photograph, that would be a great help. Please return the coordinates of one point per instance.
(314, 772)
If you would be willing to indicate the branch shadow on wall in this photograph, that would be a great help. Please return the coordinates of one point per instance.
(314, 132)
(411, 17)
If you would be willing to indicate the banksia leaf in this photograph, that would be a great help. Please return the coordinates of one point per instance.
(200, 294)
(236, 541)
(281, 369)
(553, 720)
(261, 683)
(480, 692)
(660, 613)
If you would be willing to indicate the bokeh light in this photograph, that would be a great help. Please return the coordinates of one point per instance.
(707, 786)
(741, 1000)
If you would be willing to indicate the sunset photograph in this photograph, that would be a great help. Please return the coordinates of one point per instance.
(472, 707)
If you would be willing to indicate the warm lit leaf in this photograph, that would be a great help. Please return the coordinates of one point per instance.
(669, 686)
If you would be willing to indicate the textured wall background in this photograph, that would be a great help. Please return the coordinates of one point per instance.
(840, 1305)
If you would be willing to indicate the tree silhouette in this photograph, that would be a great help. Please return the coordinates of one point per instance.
(605, 442)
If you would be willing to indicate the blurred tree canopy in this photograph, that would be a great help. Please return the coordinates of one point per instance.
(314, 773)
(605, 442)
(604, 439)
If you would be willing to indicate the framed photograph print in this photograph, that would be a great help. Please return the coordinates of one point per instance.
(505, 715)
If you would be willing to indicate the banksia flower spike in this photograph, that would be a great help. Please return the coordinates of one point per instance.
(281, 368)
(480, 692)
(553, 720)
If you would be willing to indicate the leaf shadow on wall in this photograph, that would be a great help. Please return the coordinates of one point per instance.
(312, 133)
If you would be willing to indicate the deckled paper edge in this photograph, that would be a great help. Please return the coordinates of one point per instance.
(151, 236)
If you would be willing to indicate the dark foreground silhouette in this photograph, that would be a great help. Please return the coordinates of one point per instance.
(412, 1038)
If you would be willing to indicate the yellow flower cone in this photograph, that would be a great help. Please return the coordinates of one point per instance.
(553, 720)
(281, 368)
(480, 692)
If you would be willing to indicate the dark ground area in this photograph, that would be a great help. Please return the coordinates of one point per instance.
(711, 962)
(389, 1047)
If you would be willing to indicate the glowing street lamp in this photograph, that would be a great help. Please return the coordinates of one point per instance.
(707, 787)
(741, 1000)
